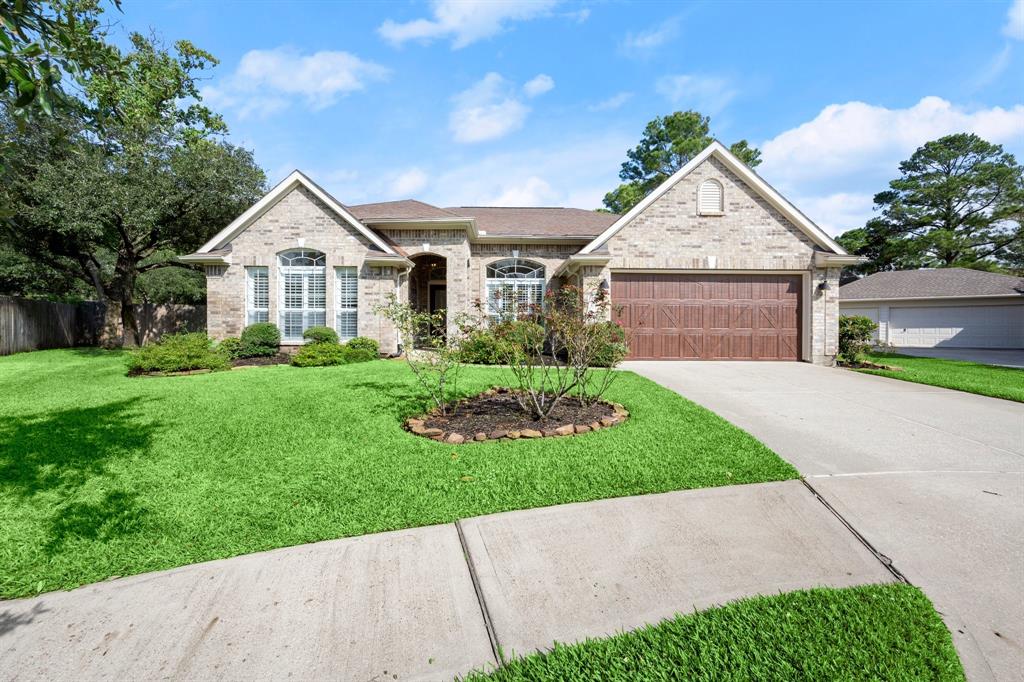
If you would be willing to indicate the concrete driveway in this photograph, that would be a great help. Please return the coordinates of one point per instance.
(932, 478)
(1005, 357)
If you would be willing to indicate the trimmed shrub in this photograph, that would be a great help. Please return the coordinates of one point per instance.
(319, 355)
(363, 343)
(612, 348)
(320, 335)
(260, 339)
(855, 333)
(480, 347)
(232, 346)
(358, 354)
(178, 353)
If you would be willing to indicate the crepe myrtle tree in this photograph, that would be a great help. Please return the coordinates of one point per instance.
(564, 347)
(433, 355)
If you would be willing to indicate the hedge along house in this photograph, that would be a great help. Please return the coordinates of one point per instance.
(714, 264)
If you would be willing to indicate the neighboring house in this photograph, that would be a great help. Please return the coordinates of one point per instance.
(714, 264)
(947, 308)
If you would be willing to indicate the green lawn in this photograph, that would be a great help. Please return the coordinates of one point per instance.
(998, 382)
(103, 475)
(880, 632)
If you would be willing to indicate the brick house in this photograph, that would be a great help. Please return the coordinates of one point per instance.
(714, 264)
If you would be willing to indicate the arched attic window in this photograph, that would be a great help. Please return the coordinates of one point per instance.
(303, 292)
(710, 198)
(514, 287)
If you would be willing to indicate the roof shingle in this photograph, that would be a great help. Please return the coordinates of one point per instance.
(537, 222)
(938, 283)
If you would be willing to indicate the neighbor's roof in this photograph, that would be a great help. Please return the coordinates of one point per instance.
(536, 222)
(938, 283)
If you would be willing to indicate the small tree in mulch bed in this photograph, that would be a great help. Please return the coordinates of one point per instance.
(565, 347)
(436, 363)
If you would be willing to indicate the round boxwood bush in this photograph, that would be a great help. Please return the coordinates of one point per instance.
(364, 344)
(232, 345)
(320, 335)
(480, 347)
(260, 339)
(358, 354)
(319, 355)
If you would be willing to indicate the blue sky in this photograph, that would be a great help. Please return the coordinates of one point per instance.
(536, 103)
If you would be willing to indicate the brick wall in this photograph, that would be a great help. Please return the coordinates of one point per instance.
(298, 220)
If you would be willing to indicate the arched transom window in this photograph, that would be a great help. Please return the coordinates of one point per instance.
(303, 292)
(514, 287)
(709, 198)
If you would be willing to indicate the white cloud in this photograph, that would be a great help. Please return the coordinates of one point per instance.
(408, 183)
(534, 191)
(486, 111)
(839, 212)
(613, 102)
(646, 41)
(995, 68)
(849, 139)
(265, 81)
(538, 85)
(708, 94)
(832, 166)
(464, 21)
(1014, 27)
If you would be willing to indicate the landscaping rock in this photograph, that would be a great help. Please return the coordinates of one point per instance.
(480, 436)
(566, 430)
(513, 435)
(548, 433)
(609, 421)
(497, 435)
(413, 423)
(620, 410)
(455, 438)
(430, 433)
(594, 426)
(580, 428)
(530, 433)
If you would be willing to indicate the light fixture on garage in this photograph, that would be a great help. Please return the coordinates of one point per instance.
(823, 285)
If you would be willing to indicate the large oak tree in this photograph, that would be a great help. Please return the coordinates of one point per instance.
(107, 205)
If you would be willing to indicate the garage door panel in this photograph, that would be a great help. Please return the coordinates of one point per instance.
(957, 326)
(726, 317)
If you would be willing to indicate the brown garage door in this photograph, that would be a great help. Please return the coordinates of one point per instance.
(709, 317)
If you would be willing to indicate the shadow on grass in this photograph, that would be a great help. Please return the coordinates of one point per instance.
(62, 452)
(397, 400)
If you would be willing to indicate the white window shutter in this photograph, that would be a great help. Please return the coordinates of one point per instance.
(709, 198)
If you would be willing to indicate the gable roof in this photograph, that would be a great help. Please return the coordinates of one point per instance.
(752, 179)
(939, 283)
(508, 221)
(296, 179)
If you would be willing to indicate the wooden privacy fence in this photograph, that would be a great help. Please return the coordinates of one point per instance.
(35, 325)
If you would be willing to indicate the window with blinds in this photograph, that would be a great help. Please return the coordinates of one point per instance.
(346, 303)
(257, 297)
(515, 288)
(303, 292)
(709, 198)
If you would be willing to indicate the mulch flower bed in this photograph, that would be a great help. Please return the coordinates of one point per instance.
(869, 365)
(279, 359)
(495, 415)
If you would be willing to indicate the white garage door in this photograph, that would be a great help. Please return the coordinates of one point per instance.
(988, 326)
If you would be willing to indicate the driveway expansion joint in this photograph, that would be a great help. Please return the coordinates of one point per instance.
(882, 558)
(481, 601)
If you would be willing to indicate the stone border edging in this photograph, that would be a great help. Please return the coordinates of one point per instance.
(415, 425)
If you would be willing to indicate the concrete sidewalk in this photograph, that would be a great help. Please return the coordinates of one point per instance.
(430, 603)
(932, 478)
